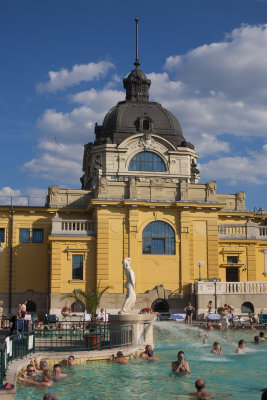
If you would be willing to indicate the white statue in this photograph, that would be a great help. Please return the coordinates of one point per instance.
(130, 286)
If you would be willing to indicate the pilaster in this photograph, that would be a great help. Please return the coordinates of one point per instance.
(102, 248)
(251, 262)
(55, 269)
(212, 248)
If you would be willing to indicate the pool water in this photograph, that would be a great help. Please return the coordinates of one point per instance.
(238, 375)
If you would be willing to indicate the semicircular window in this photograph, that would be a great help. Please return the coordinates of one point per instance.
(146, 161)
(158, 238)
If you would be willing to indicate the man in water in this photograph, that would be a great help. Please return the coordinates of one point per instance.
(148, 354)
(241, 346)
(71, 361)
(30, 372)
(180, 365)
(200, 393)
(57, 373)
(120, 359)
(261, 335)
(216, 348)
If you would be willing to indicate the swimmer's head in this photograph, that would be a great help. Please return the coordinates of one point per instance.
(199, 384)
(119, 354)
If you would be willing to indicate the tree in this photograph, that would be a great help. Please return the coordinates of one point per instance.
(90, 300)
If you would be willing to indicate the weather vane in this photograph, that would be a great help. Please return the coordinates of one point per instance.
(136, 63)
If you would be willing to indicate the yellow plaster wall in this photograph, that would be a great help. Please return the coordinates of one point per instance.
(62, 250)
(30, 260)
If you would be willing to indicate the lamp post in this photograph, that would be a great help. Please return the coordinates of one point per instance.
(200, 263)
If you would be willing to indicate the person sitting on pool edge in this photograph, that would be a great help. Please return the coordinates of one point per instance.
(180, 365)
(216, 348)
(45, 382)
(148, 354)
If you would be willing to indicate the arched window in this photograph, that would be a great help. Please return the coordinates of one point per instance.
(77, 307)
(31, 306)
(247, 307)
(158, 238)
(146, 125)
(146, 161)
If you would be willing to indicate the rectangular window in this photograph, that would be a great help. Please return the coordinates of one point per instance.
(2, 235)
(232, 259)
(77, 267)
(24, 235)
(37, 236)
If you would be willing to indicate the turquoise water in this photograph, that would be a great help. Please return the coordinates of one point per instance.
(239, 375)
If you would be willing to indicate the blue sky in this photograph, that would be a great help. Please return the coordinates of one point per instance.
(62, 65)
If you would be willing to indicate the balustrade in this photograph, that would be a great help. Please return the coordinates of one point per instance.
(231, 287)
(73, 227)
(247, 231)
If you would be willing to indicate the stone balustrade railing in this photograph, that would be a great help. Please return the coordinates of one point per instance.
(230, 287)
(246, 231)
(73, 227)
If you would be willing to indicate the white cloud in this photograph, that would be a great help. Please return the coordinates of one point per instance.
(59, 80)
(237, 66)
(57, 170)
(246, 169)
(100, 100)
(208, 144)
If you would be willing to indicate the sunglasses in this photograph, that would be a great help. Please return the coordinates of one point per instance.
(31, 370)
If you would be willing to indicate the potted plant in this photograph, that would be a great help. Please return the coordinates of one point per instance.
(91, 301)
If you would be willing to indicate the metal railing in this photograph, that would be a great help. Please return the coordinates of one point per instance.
(17, 346)
(23, 201)
(82, 339)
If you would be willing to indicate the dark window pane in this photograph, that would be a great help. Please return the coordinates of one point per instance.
(37, 236)
(146, 161)
(77, 266)
(24, 235)
(2, 235)
(158, 238)
(232, 259)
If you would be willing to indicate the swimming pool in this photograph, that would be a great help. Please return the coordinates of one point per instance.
(236, 374)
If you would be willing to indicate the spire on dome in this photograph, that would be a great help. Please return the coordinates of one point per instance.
(137, 84)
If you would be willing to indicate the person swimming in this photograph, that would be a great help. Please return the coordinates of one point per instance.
(216, 348)
(181, 365)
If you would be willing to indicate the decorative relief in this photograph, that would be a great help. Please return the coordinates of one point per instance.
(146, 141)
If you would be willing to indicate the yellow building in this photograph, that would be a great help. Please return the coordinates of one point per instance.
(140, 198)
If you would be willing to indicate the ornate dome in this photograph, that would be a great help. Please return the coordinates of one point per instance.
(138, 114)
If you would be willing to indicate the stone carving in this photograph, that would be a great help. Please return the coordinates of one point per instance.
(211, 188)
(146, 141)
(130, 286)
(194, 170)
(240, 200)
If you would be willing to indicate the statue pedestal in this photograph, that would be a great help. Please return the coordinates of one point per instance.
(142, 326)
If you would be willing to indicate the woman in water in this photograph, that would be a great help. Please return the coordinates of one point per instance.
(189, 310)
(45, 382)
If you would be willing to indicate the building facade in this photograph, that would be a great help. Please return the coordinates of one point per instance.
(140, 198)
